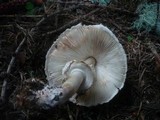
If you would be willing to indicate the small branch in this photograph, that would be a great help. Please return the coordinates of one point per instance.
(154, 51)
(7, 26)
(120, 10)
(75, 21)
(69, 113)
(70, 2)
(157, 57)
(25, 16)
(56, 16)
(4, 86)
(55, 13)
(45, 9)
(100, 6)
(21, 28)
(89, 4)
(117, 26)
(111, 8)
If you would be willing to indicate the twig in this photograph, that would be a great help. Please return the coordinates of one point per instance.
(154, 51)
(45, 9)
(27, 16)
(139, 109)
(89, 4)
(69, 113)
(4, 86)
(7, 26)
(117, 26)
(55, 13)
(77, 113)
(157, 57)
(56, 16)
(114, 9)
(140, 77)
(70, 2)
(90, 22)
(75, 21)
(20, 28)
(101, 6)
(120, 10)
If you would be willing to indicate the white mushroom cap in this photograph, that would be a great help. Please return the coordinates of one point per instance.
(80, 42)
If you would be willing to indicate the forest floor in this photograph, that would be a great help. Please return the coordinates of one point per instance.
(26, 38)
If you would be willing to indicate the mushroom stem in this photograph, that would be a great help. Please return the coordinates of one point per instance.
(72, 84)
(91, 61)
(80, 76)
(79, 79)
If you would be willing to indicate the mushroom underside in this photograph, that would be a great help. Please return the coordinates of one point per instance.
(109, 62)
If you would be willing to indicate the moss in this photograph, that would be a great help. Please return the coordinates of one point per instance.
(101, 2)
(147, 17)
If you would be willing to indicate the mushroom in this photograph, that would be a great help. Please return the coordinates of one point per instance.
(86, 65)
